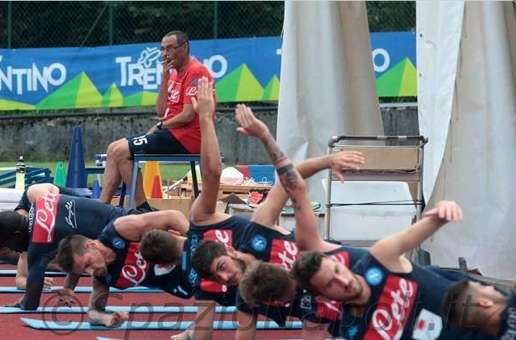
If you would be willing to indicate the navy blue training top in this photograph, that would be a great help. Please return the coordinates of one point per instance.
(51, 218)
(229, 232)
(130, 269)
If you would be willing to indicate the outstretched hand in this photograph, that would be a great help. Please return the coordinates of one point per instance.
(48, 283)
(66, 297)
(446, 211)
(343, 160)
(204, 104)
(249, 124)
(115, 319)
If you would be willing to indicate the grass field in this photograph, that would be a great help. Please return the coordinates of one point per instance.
(169, 172)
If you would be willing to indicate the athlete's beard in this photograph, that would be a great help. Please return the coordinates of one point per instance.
(353, 299)
(241, 263)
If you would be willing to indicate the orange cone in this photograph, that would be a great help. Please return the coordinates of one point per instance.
(150, 171)
(157, 190)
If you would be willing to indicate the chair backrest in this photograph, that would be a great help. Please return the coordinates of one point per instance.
(368, 211)
(387, 157)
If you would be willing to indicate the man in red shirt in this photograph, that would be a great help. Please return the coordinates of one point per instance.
(177, 131)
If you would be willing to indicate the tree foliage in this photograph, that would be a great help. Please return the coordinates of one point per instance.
(93, 23)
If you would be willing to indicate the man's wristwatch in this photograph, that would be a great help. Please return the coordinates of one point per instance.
(159, 125)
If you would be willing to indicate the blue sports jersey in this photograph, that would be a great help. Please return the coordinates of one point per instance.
(304, 306)
(401, 305)
(51, 218)
(130, 269)
(228, 232)
(24, 203)
(269, 245)
(508, 319)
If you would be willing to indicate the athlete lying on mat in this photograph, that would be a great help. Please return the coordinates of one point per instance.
(205, 222)
(28, 197)
(480, 307)
(52, 217)
(257, 286)
(267, 288)
(9, 219)
(219, 229)
(114, 260)
(388, 296)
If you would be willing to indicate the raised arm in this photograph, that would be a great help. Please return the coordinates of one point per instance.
(390, 249)
(203, 329)
(21, 271)
(97, 307)
(307, 236)
(132, 227)
(205, 205)
(38, 259)
(290, 178)
(246, 326)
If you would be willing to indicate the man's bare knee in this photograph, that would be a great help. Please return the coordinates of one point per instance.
(119, 150)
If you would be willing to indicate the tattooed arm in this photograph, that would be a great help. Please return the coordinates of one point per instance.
(289, 176)
(287, 173)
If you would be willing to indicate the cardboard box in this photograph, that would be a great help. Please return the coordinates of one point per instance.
(182, 204)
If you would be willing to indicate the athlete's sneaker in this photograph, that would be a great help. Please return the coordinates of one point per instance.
(145, 208)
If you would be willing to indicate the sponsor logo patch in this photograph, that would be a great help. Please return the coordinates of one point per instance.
(135, 268)
(259, 243)
(352, 332)
(283, 253)
(45, 218)
(191, 91)
(306, 302)
(393, 309)
(118, 243)
(428, 326)
(374, 276)
(70, 218)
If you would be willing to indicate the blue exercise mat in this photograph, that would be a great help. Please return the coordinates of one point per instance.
(130, 309)
(12, 272)
(87, 290)
(145, 325)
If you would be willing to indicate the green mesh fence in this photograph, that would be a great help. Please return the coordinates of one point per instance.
(91, 23)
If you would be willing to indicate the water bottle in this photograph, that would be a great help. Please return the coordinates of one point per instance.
(20, 174)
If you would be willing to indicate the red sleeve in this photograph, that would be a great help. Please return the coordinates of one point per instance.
(191, 83)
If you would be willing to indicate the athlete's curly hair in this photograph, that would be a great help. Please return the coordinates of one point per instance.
(263, 283)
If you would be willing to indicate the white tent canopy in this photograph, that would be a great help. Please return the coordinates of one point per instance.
(466, 60)
(327, 80)
(467, 72)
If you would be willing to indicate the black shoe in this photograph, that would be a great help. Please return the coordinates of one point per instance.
(145, 208)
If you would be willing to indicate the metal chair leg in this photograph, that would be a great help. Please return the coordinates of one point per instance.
(134, 177)
(194, 179)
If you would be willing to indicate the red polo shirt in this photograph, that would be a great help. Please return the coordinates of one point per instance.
(181, 88)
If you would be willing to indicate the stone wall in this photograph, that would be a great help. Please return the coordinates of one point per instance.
(47, 137)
